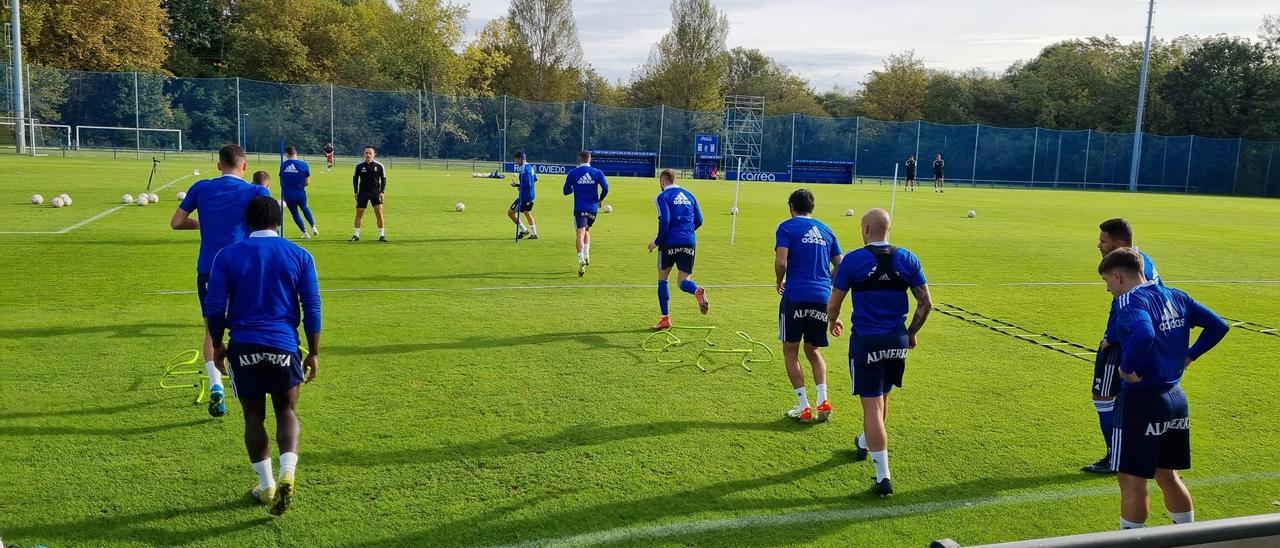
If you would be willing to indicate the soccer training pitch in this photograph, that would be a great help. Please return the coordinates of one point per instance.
(474, 391)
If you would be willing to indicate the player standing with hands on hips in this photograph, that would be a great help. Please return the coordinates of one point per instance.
(370, 185)
(879, 275)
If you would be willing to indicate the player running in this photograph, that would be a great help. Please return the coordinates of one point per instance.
(295, 177)
(1113, 234)
(256, 290)
(221, 202)
(805, 253)
(879, 276)
(370, 185)
(525, 180)
(328, 156)
(938, 185)
(911, 172)
(581, 183)
(1152, 436)
(678, 219)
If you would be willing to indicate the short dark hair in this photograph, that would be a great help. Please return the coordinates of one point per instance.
(801, 201)
(231, 155)
(584, 156)
(519, 155)
(260, 177)
(668, 175)
(263, 213)
(1125, 258)
(290, 151)
(1118, 229)
(369, 147)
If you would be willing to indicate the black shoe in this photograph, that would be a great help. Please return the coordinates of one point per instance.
(860, 454)
(882, 488)
(1103, 466)
(354, 239)
(521, 234)
(382, 238)
(533, 236)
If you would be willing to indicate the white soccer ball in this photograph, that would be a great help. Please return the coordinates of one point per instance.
(459, 207)
(733, 211)
(127, 199)
(37, 199)
(182, 196)
(66, 200)
(972, 213)
(142, 200)
(153, 198)
(196, 173)
(848, 213)
(608, 209)
(57, 202)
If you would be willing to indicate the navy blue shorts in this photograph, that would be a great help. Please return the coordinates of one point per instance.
(679, 256)
(1152, 430)
(202, 289)
(363, 200)
(258, 370)
(584, 219)
(1106, 372)
(807, 321)
(299, 199)
(525, 207)
(877, 362)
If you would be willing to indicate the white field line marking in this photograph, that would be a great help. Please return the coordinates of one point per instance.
(95, 217)
(653, 532)
(727, 286)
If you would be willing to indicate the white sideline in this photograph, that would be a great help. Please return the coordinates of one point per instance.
(95, 217)
(653, 532)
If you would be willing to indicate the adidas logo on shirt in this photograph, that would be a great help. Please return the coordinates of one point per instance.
(813, 236)
(1170, 319)
(586, 180)
(681, 199)
(884, 277)
(291, 169)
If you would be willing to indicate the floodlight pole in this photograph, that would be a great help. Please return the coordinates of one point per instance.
(18, 111)
(1142, 99)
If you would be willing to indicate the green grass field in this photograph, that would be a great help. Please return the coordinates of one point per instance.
(475, 391)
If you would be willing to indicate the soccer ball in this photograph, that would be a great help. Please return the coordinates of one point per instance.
(142, 200)
(153, 198)
(196, 173)
(848, 213)
(733, 211)
(37, 199)
(127, 198)
(182, 196)
(608, 209)
(972, 213)
(459, 207)
(66, 200)
(57, 202)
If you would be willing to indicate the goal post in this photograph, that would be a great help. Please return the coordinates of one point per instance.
(47, 135)
(171, 137)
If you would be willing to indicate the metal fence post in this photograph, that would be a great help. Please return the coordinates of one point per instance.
(917, 155)
(1035, 149)
(1266, 179)
(239, 129)
(662, 119)
(584, 125)
(973, 177)
(1088, 147)
(331, 114)
(1057, 163)
(1191, 147)
(419, 128)
(791, 169)
(137, 119)
(1235, 174)
(857, 127)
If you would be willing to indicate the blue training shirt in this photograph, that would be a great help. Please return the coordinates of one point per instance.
(880, 311)
(293, 177)
(581, 183)
(811, 246)
(1151, 274)
(221, 203)
(678, 217)
(257, 288)
(527, 180)
(1154, 324)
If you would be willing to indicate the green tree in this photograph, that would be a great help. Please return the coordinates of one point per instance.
(95, 35)
(545, 50)
(423, 38)
(197, 32)
(841, 103)
(897, 92)
(687, 67)
(1225, 88)
(751, 72)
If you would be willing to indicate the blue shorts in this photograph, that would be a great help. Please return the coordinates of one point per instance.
(525, 207)
(807, 321)
(680, 256)
(1106, 367)
(1152, 430)
(202, 289)
(584, 219)
(877, 362)
(258, 370)
(299, 199)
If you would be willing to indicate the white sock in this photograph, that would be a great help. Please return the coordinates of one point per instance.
(1126, 524)
(881, 460)
(288, 463)
(586, 249)
(822, 393)
(803, 398)
(382, 231)
(215, 376)
(1183, 517)
(533, 228)
(861, 441)
(264, 473)
(522, 227)
(357, 233)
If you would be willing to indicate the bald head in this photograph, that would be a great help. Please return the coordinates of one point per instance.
(875, 225)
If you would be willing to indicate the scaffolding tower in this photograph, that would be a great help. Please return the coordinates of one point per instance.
(744, 131)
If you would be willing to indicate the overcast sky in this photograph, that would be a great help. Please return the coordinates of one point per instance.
(832, 42)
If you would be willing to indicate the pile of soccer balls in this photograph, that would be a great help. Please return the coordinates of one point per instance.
(61, 200)
(142, 199)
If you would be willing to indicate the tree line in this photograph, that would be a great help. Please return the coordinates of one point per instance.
(1217, 86)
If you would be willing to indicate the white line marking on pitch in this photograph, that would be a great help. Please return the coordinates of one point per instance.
(653, 532)
(95, 217)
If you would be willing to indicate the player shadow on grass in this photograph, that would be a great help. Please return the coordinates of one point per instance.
(734, 498)
(82, 411)
(144, 527)
(46, 430)
(113, 331)
(596, 339)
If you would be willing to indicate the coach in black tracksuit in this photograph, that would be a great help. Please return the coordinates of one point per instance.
(369, 183)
